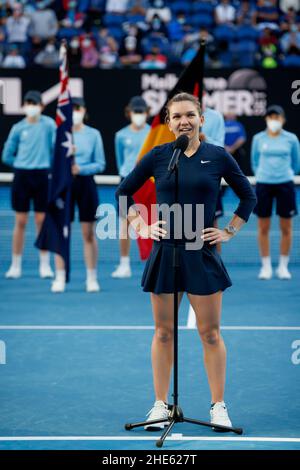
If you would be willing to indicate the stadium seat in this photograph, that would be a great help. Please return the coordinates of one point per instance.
(180, 6)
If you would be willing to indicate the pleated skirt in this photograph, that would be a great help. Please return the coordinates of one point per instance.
(201, 272)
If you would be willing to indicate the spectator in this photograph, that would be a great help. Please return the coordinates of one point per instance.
(14, 60)
(245, 14)
(130, 53)
(288, 20)
(90, 55)
(17, 27)
(49, 56)
(155, 59)
(137, 7)
(108, 49)
(235, 137)
(159, 8)
(157, 27)
(290, 39)
(116, 6)
(225, 13)
(74, 17)
(94, 13)
(267, 37)
(74, 52)
(43, 23)
(286, 5)
(267, 14)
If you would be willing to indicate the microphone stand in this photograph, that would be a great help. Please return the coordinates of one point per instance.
(175, 412)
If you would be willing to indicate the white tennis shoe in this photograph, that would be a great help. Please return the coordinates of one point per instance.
(282, 272)
(121, 272)
(159, 411)
(13, 273)
(58, 285)
(219, 415)
(46, 271)
(265, 273)
(92, 285)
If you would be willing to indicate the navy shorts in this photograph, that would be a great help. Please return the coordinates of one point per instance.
(85, 197)
(283, 193)
(27, 186)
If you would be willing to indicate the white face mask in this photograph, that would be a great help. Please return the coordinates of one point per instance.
(138, 119)
(77, 117)
(32, 110)
(273, 125)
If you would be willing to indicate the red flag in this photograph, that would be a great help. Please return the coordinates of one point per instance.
(190, 81)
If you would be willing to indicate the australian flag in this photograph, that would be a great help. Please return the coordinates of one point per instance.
(56, 230)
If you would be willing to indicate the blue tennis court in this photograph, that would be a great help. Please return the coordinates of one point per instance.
(75, 367)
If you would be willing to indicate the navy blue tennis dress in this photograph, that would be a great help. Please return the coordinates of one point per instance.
(201, 271)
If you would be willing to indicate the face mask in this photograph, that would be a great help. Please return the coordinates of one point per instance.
(77, 117)
(156, 24)
(138, 119)
(86, 43)
(32, 110)
(50, 48)
(74, 44)
(274, 125)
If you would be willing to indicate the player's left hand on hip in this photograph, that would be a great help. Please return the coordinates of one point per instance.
(215, 235)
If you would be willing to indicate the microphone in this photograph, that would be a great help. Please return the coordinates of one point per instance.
(179, 146)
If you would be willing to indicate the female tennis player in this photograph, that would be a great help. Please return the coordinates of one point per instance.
(275, 158)
(203, 275)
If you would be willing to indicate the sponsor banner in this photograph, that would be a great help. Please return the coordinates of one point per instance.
(244, 92)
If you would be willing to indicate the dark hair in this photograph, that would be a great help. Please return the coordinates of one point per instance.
(182, 96)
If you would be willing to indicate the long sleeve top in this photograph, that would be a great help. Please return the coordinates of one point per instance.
(89, 151)
(275, 160)
(199, 180)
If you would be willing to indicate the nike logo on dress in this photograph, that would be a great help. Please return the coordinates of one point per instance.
(205, 161)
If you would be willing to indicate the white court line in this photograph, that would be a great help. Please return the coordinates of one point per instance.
(148, 438)
(134, 328)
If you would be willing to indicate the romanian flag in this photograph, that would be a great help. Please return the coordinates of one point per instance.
(190, 81)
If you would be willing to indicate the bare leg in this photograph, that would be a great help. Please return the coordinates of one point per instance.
(264, 224)
(124, 239)
(162, 344)
(286, 235)
(21, 220)
(208, 316)
(90, 246)
(59, 263)
(39, 219)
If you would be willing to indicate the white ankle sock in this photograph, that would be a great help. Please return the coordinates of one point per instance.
(266, 262)
(283, 261)
(16, 261)
(60, 275)
(45, 259)
(91, 274)
(125, 261)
